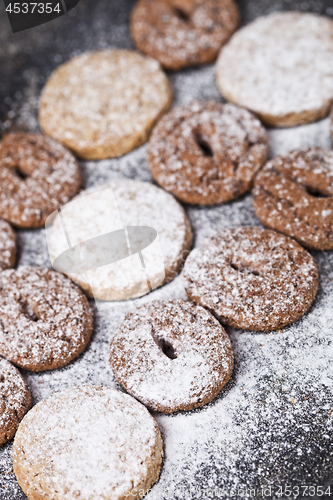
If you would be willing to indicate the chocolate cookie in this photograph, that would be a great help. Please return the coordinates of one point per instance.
(37, 176)
(277, 66)
(87, 442)
(172, 355)
(15, 400)
(7, 246)
(207, 152)
(252, 278)
(294, 195)
(104, 104)
(181, 33)
(45, 320)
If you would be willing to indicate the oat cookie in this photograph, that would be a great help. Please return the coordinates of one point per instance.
(293, 194)
(181, 33)
(172, 355)
(139, 204)
(45, 320)
(103, 104)
(278, 67)
(37, 175)
(252, 278)
(87, 442)
(207, 152)
(15, 400)
(7, 246)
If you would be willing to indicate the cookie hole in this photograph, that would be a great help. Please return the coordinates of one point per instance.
(21, 174)
(312, 191)
(244, 269)
(181, 14)
(203, 145)
(166, 348)
(28, 312)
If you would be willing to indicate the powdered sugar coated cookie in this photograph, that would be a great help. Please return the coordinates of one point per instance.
(87, 442)
(278, 67)
(103, 104)
(172, 355)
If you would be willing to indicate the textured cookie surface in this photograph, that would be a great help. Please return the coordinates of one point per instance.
(181, 33)
(207, 152)
(87, 442)
(293, 194)
(104, 104)
(278, 67)
(15, 400)
(37, 175)
(46, 320)
(172, 355)
(7, 246)
(139, 204)
(252, 278)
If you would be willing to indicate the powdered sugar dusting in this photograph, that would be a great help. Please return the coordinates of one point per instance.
(45, 320)
(37, 176)
(92, 442)
(7, 246)
(104, 104)
(272, 424)
(181, 33)
(139, 204)
(15, 399)
(206, 152)
(171, 355)
(252, 278)
(278, 67)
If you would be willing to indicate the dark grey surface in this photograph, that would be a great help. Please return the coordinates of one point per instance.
(276, 443)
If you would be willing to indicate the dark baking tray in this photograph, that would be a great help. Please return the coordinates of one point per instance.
(266, 451)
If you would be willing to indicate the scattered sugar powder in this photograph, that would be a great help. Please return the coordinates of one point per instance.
(272, 423)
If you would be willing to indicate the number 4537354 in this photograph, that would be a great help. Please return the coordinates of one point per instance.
(32, 7)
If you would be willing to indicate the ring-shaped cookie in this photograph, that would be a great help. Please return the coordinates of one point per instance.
(45, 320)
(172, 355)
(207, 152)
(252, 278)
(293, 194)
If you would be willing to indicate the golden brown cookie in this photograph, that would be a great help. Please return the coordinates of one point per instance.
(172, 355)
(87, 442)
(293, 194)
(181, 33)
(15, 400)
(252, 278)
(278, 67)
(37, 176)
(207, 152)
(45, 320)
(7, 246)
(104, 104)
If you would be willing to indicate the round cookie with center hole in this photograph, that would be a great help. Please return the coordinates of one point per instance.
(7, 246)
(181, 33)
(37, 176)
(252, 278)
(104, 104)
(172, 355)
(46, 320)
(87, 442)
(139, 204)
(207, 152)
(277, 66)
(293, 194)
(15, 400)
